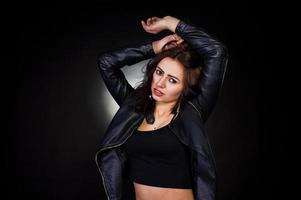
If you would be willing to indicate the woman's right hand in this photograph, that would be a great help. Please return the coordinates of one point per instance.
(155, 24)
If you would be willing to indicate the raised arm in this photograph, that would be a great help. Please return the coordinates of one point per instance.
(214, 53)
(110, 65)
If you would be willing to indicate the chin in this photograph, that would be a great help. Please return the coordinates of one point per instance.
(160, 99)
(157, 98)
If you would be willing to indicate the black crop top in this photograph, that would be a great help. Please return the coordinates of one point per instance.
(158, 158)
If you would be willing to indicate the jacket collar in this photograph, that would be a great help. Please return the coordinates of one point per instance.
(126, 121)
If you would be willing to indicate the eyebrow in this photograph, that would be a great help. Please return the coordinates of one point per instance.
(168, 74)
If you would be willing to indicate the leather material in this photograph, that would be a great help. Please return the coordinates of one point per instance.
(187, 124)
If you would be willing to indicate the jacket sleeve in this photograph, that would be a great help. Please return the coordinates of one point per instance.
(215, 57)
(110, 65)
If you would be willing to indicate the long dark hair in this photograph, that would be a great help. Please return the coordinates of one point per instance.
(192, 63)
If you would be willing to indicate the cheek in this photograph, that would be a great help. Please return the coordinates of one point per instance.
(175, 91)
(154, 78)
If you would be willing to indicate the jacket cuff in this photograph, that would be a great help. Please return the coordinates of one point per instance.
(180, 27)
(148, 49)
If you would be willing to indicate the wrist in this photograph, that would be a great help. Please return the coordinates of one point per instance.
(155, 47)
(171, 23)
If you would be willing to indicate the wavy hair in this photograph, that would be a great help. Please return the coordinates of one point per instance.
(192, 63)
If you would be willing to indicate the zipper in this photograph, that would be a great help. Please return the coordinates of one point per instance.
(196, 109)
(175, 116)
(109, 147)
(104, 185)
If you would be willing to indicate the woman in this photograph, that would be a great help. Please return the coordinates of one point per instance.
(155, 146)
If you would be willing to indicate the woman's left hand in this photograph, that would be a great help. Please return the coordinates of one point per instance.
(167, 42)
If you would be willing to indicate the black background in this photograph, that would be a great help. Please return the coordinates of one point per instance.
(58, 115)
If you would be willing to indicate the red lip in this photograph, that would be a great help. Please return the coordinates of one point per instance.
(158, 91)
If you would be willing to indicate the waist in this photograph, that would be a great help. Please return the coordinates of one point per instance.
(147, 192)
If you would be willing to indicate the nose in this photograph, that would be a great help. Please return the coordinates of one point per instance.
(161, 82)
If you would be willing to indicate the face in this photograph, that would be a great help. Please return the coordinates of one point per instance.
(167, 82)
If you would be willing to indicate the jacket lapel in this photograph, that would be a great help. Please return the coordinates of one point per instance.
(120, 127)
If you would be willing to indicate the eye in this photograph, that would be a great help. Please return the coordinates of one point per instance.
(172, 81)
(158, 72)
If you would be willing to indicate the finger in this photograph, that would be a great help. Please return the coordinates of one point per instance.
(180, 41)
(148, 22)
(154, 19)
(178, 37)
(151, 21)
(144, 25)
(173, 37)
(169, 38)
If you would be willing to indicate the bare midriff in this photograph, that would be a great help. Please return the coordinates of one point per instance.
(146, 192)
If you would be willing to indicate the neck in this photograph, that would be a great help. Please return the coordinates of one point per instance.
(163, 109)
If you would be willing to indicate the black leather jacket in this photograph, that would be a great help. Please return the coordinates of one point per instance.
(187, 124)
